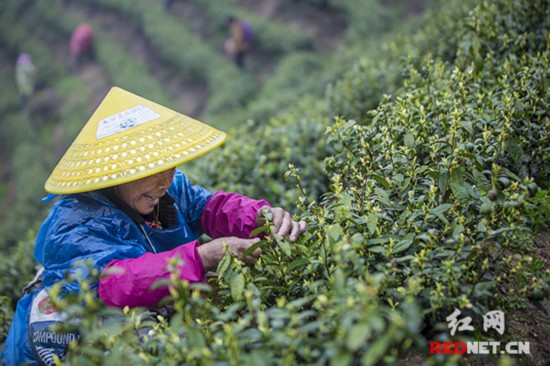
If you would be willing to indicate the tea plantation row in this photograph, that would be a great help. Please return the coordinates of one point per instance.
(421, 174)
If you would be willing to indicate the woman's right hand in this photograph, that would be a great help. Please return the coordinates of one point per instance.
(212, 252)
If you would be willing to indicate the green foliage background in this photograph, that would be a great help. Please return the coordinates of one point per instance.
(418, 156)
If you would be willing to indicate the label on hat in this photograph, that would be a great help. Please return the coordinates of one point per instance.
(125, 120)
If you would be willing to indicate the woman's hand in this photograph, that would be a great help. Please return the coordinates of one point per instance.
(212, 252)
(283, 224)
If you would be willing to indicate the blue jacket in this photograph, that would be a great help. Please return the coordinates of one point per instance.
(87, 226)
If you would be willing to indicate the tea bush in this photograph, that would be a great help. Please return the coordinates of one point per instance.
(428, 187)
(419, 200)
(362, 87)
(539, 210)
(368, 19)
(6, 315)
(427, 210)
(257, 168)
(20, 268)
(323, 326)
(286, 85)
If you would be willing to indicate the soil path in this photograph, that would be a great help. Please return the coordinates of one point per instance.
(533, 324)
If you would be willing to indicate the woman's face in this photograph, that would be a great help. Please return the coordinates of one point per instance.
(143, 194)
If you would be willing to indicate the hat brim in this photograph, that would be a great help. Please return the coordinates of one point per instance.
(167, 140)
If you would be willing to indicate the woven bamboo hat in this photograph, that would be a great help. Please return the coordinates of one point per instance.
(128, 138)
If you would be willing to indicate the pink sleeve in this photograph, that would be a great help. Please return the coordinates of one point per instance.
(130, 284)
(230, 214)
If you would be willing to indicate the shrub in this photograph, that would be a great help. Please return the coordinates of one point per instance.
(288, 83)
(435, 182)
(20, 268)
(423, 204)
(6, 316)
(258, 169)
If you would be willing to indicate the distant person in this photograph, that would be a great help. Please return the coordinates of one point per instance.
(82, 44)
(239, 41)
(25, 78)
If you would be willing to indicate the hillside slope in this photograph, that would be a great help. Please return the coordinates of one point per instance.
(135, 50)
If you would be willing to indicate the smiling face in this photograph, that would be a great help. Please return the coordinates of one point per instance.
(143, 194)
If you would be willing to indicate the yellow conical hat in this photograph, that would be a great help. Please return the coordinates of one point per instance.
(128, 138)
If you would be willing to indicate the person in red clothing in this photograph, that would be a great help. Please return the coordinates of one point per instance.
(125, 208)
(82, 44)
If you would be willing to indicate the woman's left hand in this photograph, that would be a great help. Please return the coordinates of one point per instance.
(283, 224)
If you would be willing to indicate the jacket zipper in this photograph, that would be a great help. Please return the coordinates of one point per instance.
(147, 237)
